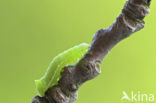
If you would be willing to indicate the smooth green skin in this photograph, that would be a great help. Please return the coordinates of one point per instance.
(68, 57)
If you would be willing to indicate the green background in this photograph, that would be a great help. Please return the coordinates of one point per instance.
(32, 32)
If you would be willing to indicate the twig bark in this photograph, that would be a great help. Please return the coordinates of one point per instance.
(128, 22)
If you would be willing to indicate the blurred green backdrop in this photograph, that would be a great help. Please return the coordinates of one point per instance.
(32, 32)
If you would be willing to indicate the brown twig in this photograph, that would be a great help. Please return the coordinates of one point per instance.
(128, 22)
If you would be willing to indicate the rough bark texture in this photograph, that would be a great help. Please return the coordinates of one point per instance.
(128, 22)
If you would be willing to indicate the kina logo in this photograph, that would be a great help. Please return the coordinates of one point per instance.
(137, 97)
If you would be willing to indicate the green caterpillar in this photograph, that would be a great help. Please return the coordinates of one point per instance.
(68, 57)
